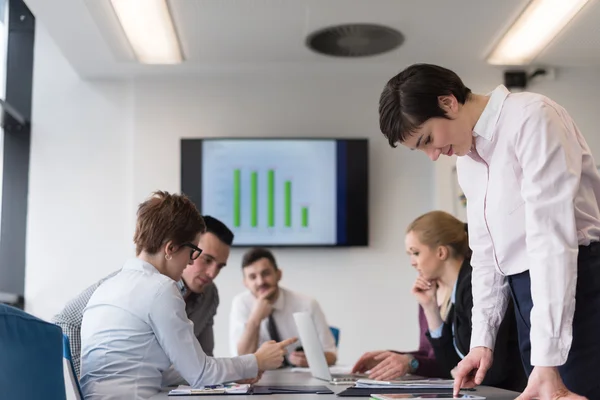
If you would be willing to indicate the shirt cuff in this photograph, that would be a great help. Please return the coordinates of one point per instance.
(483, 336)
(548, 352)
(249, 365)
(436, 333)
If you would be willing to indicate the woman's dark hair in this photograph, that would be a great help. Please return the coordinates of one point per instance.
(412, 97)
(255, 254)
(166, 217)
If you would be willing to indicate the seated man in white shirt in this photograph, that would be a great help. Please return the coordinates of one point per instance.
(265, 311)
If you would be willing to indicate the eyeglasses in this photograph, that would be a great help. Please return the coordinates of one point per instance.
(195, 252)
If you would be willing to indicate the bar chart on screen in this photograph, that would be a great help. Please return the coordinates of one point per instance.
(283, 192)
(269, 196)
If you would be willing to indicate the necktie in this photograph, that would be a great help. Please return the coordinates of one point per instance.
(274, 333)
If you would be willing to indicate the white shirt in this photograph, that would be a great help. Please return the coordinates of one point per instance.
(285, 306)
(532, 191)
(134, 328)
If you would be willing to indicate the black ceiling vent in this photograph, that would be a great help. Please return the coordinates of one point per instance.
(354, 40)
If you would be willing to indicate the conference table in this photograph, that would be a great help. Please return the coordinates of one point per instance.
(287, 377)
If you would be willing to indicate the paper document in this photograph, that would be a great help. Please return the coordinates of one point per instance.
(410, 384)
(212, 389)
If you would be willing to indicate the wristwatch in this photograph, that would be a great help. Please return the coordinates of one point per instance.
(413, 365)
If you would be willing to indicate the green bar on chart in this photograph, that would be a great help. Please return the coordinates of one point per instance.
(237, 199)
(254, 199)
(288, 203)
(305, 217)
(271, 198)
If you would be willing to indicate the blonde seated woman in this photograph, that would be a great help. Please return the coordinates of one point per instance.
(438, 247)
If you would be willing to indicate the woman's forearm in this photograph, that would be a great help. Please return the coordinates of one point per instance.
(433, 317)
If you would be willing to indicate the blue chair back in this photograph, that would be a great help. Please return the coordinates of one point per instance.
(31, 357)
(72, 386)
(336, 335)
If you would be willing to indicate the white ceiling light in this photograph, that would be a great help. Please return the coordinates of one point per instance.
(149, 29)
(541, 21)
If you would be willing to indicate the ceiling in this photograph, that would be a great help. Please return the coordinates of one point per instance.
(222, 36)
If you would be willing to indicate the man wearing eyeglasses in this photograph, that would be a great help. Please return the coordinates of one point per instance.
(197, 288)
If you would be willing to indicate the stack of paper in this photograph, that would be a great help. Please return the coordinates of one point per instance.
(433, 383)
(213, 389)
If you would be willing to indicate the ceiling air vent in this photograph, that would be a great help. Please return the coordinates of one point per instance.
(354, 40)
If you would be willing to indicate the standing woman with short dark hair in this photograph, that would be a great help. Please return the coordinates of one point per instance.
(532, 191)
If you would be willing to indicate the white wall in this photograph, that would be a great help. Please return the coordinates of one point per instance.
(368, 285)
(100, 148)
(79, 181)
(359, 289)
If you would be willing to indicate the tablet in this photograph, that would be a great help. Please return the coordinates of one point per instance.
(394, 396)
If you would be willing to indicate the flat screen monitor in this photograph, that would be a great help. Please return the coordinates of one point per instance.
(281, 192)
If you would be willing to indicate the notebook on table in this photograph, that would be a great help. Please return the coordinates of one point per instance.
(429, 387)
(291, 389)
(183, 390)
(234, 389)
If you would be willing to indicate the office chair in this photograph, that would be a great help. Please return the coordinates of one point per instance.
(30, 357)
(336, 335)
(73, 390)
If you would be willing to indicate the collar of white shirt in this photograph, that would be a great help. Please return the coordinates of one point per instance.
(486, 124)
(136, 264)
(140, 265)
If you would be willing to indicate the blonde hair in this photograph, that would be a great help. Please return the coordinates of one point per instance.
(438, 228)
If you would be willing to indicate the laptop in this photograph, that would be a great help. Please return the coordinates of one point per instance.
(313, 350)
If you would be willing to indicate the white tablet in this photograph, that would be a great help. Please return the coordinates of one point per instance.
(394, 396)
